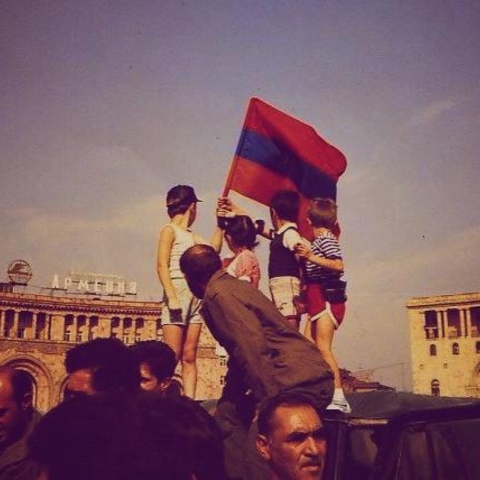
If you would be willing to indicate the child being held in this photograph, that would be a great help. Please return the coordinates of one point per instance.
(325, 289)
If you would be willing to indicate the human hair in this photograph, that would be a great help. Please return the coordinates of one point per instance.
(242, 231)
(179, 198)
(183, 437)
(322, 212)
(20, 380)
(118, 437)
(200, 262)
(158, 355)
(94, 437)
(113, 365)
(270, 405)
(286, 204)
(177, 210)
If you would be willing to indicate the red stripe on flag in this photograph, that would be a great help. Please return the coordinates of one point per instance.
(299, 137)
(257, 182)
(245, 171)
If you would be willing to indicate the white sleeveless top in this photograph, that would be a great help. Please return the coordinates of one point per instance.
(184, 239)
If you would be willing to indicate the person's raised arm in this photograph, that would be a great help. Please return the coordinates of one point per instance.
(226, 205)
(240, 329)
(226, 208)
(217, 239)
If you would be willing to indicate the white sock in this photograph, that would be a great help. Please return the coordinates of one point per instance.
(338, 395)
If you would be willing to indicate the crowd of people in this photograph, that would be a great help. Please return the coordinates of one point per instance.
(126, 415)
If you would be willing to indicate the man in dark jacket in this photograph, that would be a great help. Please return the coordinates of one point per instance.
(17, 420)
(266, 355)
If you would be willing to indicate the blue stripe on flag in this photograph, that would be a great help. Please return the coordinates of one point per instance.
(310, 181)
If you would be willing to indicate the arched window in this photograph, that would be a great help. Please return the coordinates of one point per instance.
(477, 347)
(455, 349)
(435, 386)
(433, 350)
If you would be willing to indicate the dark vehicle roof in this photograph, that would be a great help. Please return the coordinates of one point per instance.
(388, 404)
(384, 404)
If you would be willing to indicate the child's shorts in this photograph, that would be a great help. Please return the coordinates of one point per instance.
(284, 290)
(189, 303)
(317, 305)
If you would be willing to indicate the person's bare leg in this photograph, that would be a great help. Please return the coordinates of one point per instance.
(322, 332)
(173, 337)
(189, 359)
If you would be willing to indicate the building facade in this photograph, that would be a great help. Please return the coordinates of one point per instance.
(37, 330)
(445, 344)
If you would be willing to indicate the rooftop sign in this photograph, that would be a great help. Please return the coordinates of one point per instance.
(19, 272)
(94, 283)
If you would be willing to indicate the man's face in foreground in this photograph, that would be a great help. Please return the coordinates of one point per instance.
(297, 446)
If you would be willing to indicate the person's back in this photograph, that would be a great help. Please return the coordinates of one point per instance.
(272, 355)
(283, 267)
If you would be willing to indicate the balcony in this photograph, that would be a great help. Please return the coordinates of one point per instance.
(431, 333)
(453, 332)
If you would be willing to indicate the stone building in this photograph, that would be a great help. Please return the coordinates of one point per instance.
(36, 330)
(445, 344)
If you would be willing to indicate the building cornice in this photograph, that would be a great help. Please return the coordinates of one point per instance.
(464, 299)
(94, 305)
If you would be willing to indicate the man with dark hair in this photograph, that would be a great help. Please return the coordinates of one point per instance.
(266, 356)
(17, 420)
(102, 365)
(157, 366)
(292, 438)
(118, 437)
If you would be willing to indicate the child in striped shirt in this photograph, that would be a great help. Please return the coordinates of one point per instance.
(325, 290)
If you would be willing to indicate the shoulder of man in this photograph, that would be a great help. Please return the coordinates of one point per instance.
(15, 462)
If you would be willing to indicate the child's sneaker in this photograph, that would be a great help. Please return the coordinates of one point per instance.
(340, 405)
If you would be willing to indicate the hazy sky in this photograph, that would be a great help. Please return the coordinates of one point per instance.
(104, 105)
